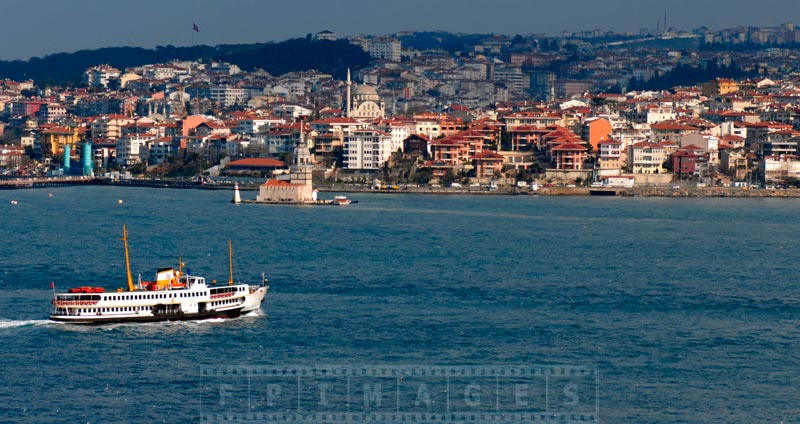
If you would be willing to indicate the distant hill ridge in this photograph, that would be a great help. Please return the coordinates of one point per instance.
(299, 54)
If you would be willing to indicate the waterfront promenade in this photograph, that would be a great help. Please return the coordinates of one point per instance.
(42, 182)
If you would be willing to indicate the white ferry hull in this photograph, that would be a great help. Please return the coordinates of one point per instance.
(197, 302)
(253, 300)
(109, 319)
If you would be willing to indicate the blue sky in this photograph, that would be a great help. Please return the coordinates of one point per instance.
(38, 27)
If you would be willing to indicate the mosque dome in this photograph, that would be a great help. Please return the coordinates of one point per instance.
(365, 92)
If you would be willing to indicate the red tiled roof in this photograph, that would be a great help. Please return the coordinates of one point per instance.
(488, 155)
(257, 162)
(570, 146)
(278, 183)
(673, 127)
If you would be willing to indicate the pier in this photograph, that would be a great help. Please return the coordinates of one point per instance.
(42, 182)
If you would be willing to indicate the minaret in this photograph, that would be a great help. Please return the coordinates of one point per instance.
(348, 93)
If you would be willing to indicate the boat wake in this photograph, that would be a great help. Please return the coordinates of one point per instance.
(10, 323)
(165, 325)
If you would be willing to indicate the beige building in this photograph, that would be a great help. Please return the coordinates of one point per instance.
(646, 158)
(611, 157)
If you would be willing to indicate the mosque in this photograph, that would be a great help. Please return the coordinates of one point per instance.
(363, 102)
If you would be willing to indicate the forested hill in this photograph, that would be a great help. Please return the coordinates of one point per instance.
(300, 54)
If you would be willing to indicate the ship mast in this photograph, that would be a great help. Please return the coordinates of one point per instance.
(127, 258)
(230, 262)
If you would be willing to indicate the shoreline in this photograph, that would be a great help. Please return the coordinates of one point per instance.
(500, 191)
(581, 191)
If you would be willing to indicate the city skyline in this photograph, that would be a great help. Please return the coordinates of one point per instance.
(52, 27)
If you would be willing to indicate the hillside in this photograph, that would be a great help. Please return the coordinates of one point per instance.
(333, 57)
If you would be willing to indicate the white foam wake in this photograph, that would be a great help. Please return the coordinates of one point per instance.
(9, 323)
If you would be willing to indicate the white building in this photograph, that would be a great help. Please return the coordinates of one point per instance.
(366, 149)
(227, 95)
(656, 114)
(397, 131)
(430, 128)
(709, 143)
(132, 149)
(100, 76)
(290, 111)
(337, 125)
(257, 125)
(779, 169)
(513, 77)
(159, 72)
(385, 48)
(325, 35)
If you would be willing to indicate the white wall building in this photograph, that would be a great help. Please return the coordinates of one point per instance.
(659, 114)
(366, 149)
(398, 131)
(709, 143)
(132, 149)
(385, 48)
(100, 76)
(255, 126)
(227, 95)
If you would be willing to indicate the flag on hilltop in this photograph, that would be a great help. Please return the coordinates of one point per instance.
(195, 27)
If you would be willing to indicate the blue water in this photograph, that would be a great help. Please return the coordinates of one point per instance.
(687, 308)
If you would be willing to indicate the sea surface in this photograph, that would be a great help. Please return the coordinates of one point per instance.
(684, 310)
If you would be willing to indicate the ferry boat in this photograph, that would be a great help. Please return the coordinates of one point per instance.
(172, 296)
